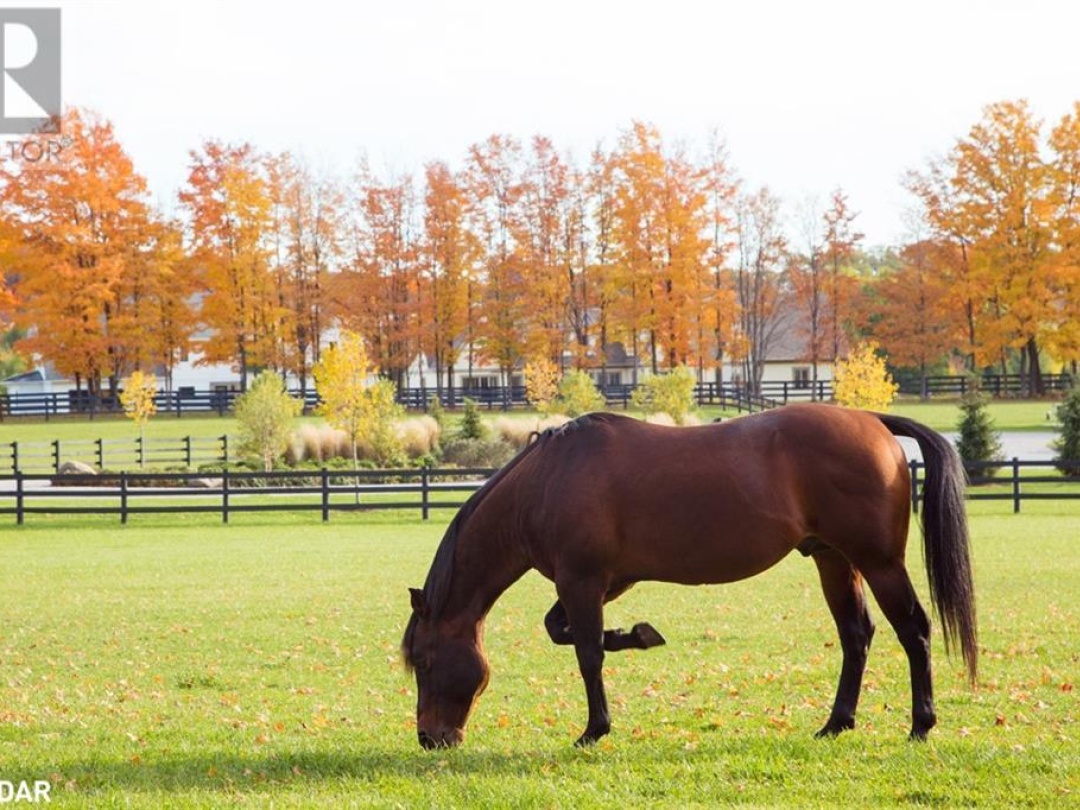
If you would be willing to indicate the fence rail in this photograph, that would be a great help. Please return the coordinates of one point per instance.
(769, 392)
(48, 456)
(85, 404)
(326, 491)
(229, 493)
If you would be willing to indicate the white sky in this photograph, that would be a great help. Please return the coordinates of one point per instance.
(809, 95)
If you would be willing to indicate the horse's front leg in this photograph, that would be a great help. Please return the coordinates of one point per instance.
(642, 635)
(583, 604)
(557, 625)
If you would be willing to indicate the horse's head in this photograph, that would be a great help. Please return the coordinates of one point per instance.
(451, 672)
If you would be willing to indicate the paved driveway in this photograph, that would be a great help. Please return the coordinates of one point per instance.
(1024, 446)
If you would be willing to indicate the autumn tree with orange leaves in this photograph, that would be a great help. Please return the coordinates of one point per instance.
(823, 284)
(229, 205)
(659, 222)
(1063, 332)
(721, 188)
(761, 255)
(909, 310)
(309, 237)
(93, 268)
(448, 254)
(545, 249)
(599, 279)
(377, 293)
(993, 197)
(494, 187)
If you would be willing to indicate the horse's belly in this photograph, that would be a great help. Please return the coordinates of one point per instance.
(712, 557)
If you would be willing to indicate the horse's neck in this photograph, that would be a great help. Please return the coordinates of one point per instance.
(487, 561)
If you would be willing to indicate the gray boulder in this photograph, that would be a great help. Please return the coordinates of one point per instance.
(75, 468)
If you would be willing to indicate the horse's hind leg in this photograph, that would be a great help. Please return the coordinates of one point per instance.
(893, 590)
(642, 636)
(843, 590)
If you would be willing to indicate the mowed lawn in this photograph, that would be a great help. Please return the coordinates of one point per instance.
(206, 665)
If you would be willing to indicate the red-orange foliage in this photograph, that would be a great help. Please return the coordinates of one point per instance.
(228, 198)
(448, 254)
(377, 294)
(910, 313)
(94, 271)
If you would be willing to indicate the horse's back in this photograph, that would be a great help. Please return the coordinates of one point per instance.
(711, 503)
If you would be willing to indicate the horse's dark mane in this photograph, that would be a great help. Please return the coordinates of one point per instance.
(440, 575)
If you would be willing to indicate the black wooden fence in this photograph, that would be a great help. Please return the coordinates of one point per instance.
(326, 491)
(87, 405)
(1010, 481)
(229, 493)
(47, 456)
(728, 395)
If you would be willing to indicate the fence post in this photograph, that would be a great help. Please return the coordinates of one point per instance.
(19, 493)
(140, 454)
(15, 457)
(100, 449)
(915, 486)
(225, 495)
(325, 482)
(56, 455)
(123, 497)
(1016, 485)
(425, 481)
(187, 451)
(224, 449)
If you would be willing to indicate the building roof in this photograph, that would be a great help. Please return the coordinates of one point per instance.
(39, 374)
(791, 339)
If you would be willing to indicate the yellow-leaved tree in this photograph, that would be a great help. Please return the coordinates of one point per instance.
(671, 393)
(366, 409)
(541, 384)
(861, 380)
(137, 400)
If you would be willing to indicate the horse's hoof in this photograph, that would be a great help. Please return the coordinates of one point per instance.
(590, 738)
(834, 729)
(921, 726)
(647, 635)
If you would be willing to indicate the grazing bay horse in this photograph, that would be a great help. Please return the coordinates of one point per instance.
(607, 501)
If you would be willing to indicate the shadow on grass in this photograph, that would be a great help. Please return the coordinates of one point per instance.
(228, 774)
(219, 772)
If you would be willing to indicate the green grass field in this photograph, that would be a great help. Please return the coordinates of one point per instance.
(114, 427)
(1012, 415)
(192, 664)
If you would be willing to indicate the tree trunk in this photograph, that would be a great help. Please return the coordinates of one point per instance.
(1036, 384)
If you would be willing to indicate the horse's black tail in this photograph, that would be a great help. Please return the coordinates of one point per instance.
(945, 537)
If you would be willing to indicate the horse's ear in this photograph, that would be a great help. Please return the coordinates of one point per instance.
(419, 603)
